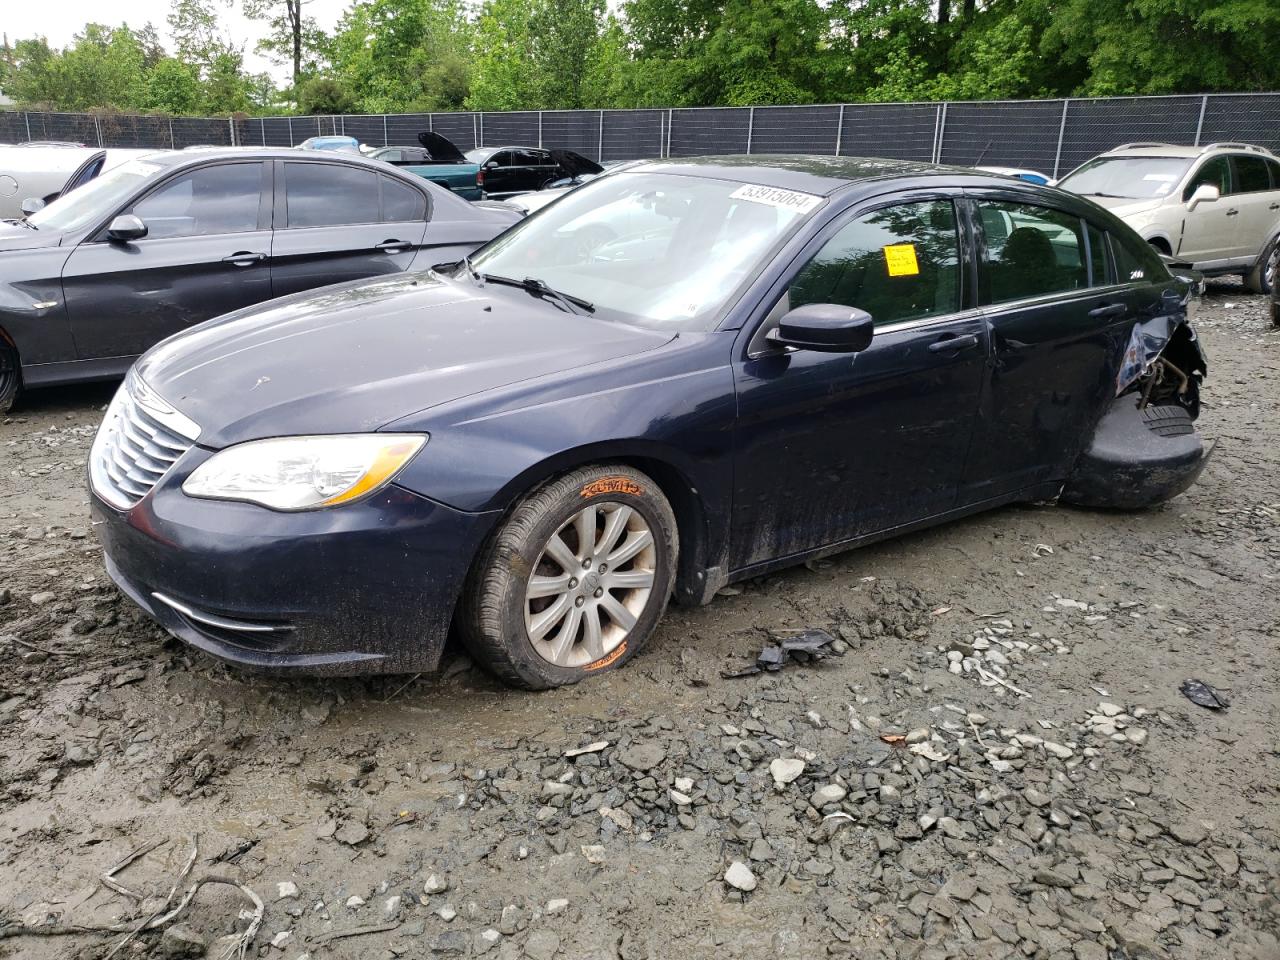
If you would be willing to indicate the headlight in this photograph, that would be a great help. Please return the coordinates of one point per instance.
(303, 473)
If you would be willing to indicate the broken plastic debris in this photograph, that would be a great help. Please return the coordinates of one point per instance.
(1203, 695)
(777, 652)
(589, 748)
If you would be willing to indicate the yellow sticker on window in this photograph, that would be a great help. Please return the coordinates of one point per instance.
(901, 260)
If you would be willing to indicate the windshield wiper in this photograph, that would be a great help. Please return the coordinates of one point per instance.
(539, 288)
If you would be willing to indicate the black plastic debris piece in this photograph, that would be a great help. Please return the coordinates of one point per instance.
(1203, 695)
(803, 647)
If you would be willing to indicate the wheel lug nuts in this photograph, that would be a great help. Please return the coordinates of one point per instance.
(586, 564)
(603, 567)
(573, 582)
(580, 601)
(599, 592)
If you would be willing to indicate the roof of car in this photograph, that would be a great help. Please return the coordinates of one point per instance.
(1181, 150)
(815, 174)
(170, 158)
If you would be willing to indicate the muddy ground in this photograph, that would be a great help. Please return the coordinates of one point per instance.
(1075, 806)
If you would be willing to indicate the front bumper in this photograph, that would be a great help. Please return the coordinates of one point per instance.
(365, 588)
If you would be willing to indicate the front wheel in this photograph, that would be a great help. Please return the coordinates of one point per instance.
(1262, 278)
(574, 581)
(10, 377)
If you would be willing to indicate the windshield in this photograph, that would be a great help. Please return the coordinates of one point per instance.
(95, 199)
(653, 249)
(478, 156)
(1137, 178)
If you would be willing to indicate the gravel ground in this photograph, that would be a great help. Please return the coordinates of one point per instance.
(999, 763)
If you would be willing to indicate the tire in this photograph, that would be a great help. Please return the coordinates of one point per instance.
(1262, 278)
(500, 622)
(10, 377)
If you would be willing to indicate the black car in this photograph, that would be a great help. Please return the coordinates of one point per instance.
(510, 170)
(161, 243)
(677, 376)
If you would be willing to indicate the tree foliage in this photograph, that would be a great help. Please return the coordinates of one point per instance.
(410, 55)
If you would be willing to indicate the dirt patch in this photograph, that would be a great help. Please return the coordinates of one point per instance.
(998, 764)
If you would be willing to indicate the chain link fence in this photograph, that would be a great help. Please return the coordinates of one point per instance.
(1052, 136)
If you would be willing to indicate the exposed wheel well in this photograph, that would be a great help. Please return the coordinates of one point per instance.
(691, 523)
(1161, 245)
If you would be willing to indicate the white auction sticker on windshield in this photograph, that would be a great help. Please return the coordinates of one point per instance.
(776, 197)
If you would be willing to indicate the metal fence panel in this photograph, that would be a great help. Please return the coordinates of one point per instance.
(1002, 134)
(76, 127)
(577, 130)
(403, 129)
(794, 129)
(634, 134)
(700, 130)
(462, 128)
(1251, 119)
(1049, 135)
(1095, 126)
(195, 131)
(901, 131)
(366, 129)
(510, 129)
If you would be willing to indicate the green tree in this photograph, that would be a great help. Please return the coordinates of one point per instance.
(172, 86)
(324, 95)
(292, 37)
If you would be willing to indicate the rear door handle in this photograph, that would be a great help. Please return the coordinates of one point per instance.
(244, 258)
(1109, 310)
(954, 344)
(1232, 212)
(1274, 206)
(391, 246)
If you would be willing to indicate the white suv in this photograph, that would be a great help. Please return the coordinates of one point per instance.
(1215, 207)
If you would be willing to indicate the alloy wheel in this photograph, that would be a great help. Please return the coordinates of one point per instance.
(592, 581)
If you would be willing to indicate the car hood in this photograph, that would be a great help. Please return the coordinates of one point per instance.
(14, 236)
(1124, 207)
(356, 357)
(575, 164)
(440, 149)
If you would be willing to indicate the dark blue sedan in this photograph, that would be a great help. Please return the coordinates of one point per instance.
(681, 375)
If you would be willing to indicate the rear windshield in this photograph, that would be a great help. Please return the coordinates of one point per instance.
(1135, 178)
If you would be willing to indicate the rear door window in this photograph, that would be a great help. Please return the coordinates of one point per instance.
(1250, 174)
(899, 263)
(401, 201)
(1030, 251)
(329, 195)
(205, 202)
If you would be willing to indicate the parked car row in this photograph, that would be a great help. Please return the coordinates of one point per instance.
(164, 242)
(677, 375)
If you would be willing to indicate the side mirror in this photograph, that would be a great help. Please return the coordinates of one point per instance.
(1205, 193)
(491, 165)
(825, 327)
(126, 227)
(31, 205)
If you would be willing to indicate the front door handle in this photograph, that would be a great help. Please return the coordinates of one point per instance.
(1274, 206)
(244, 258)
(1232, 212)
(391, 246)
(1109, 310)
(954, 344)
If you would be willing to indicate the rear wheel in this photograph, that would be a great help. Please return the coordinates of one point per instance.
(574, 581)
(10, 377)
(1262, 278)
